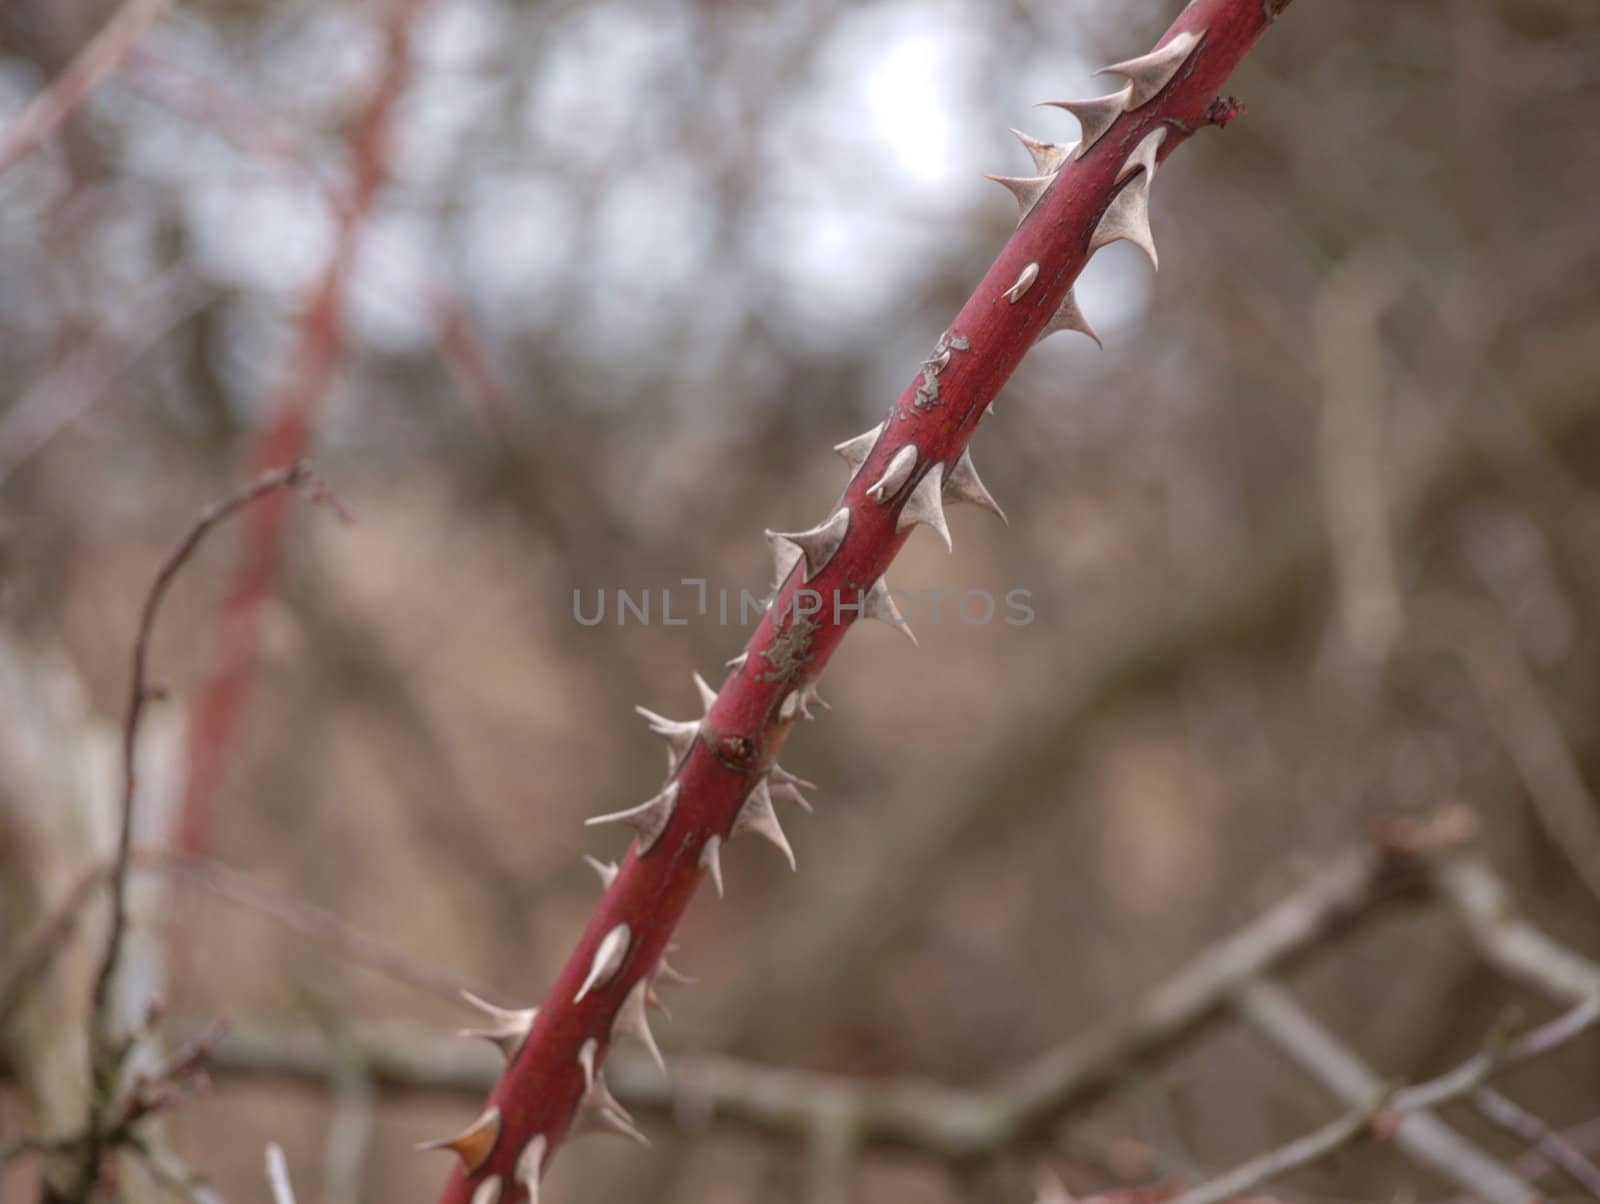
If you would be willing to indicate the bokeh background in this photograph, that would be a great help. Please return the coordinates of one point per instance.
(581, 306)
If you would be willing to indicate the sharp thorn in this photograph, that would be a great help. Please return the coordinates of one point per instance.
(586, 1056)
(1149, 73)
(758, 816)
(789, 708)
(1144, 155)
(711, 861)
(1095, 115)
(809, 696)
(530, 1165)
(784, 790)
(652, 1000)
(785, 555)
(1047, 156)
(487, 1192)
(1025, 280)
(606, 870)
(881, 605)
(1027, 190)
(708, 696)
(632, 1021)
(507, 1029)
(475, 1144)
(601, 1112)
(819, 544)
(961, 484)
(895, 475)
(779, 774)
(1069, 317)
(737, 662)
(607, 960)
(1127, 218)
(649, 819)
(665, 973)
(679, 734)
(925, 505)
(854, 452)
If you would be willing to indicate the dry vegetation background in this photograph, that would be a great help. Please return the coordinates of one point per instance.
(1312, 544)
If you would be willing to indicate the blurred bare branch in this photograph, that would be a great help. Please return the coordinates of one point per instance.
(103, 55)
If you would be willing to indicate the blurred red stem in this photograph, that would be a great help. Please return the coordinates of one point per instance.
(222, 699)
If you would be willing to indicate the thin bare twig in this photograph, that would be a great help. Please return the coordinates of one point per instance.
(947, 1122)
(1507, 942)
(1387, 1110)
(1555, 1148)
(1472, 1073)
(1302, 1151)
(1533, 739)
(140, 692)
(1417, 1132)
(307, 919)
(322, 926)
(39, 950)
(63, 98)
(63, 395)
(106, 1054)
(1582, 1139)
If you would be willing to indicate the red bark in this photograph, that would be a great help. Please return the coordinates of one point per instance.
(544, 1084)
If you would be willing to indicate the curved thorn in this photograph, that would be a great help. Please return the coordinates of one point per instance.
(1127, 218)
(1149, 73)
(1095, 115)
(819, 544)
(632, 1020)
(854, 452)
(757, 815)
(475, 1144)
(1069, 317)
(606, 870)
(779, 774)
(789, 708)
(708, 696)
(1027, 190)
(487, 1192)
(737, 662)
(880, 604)
(665, 973)
(1144, 155)
(607, 960)
(808, 696)
(925, 506)
(649, 819)
(586, 1056)
(679, 734)
(784, 790)
(652, 1000)
(785, 555)
(895, 475)
(961, 484)
(600, 1112)
(1047, 156)
(507, 1029)
(711, 861)
(530, 1164)
(1025, 280)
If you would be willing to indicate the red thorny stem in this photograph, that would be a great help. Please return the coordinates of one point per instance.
(544, 1086)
